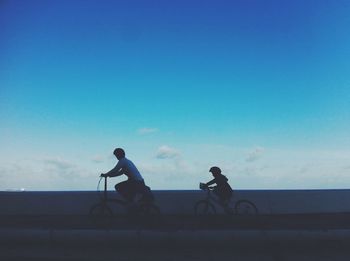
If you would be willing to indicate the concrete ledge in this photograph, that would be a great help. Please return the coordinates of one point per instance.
(177, 202)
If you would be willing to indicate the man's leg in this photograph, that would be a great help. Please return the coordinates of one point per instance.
(147, 194)
(137, 189)
(123, 188)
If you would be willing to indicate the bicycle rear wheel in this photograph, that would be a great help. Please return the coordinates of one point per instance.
(204, 208)
(245, 207)
(101, 214)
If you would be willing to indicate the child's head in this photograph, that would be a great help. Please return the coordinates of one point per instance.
(215, 171)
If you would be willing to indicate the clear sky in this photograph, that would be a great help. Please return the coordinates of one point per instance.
(258, 88)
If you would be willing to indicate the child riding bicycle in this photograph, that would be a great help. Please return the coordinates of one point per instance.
(222, 189)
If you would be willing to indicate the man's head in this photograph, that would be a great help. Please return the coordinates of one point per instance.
(215, 171)
(119, 153)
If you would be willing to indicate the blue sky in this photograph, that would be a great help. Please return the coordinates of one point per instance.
(260, 88)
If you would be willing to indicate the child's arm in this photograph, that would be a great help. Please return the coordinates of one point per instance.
(211, 182)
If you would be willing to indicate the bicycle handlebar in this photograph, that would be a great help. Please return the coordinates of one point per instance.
(204, 186)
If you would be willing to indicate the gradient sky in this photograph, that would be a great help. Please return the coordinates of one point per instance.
(259, 88)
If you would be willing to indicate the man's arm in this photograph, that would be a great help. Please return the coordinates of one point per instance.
(116, 171)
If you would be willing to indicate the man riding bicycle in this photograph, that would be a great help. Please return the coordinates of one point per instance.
(134, 184)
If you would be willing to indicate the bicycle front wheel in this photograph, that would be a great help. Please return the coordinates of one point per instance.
(245, 207)
(204, 208)
(101, 214)
(149, 210)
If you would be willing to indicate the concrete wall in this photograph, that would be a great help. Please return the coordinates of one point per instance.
(177, 202)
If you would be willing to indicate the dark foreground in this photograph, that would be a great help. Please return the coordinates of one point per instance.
(259, 251)
(171, 222)
(276, 238)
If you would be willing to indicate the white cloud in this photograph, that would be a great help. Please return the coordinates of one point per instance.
(175, 173)
(98, 159)
(255, 154)
(144, 131)
(64, 169)
(166, 152)
(185, 168)
(59, 163)
(46, 174)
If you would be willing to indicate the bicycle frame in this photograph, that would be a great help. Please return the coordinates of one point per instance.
(103, 212)
(211, 198)
(105, 194)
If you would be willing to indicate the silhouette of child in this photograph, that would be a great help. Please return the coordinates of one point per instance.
(222, 189)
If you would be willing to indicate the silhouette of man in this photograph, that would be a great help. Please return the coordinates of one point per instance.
(222, 189)
(134, 184)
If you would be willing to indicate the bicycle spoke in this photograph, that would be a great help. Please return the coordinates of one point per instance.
(101, 214)
(245, 207)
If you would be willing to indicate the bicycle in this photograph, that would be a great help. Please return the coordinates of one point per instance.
(207, 206)
(102, 212)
